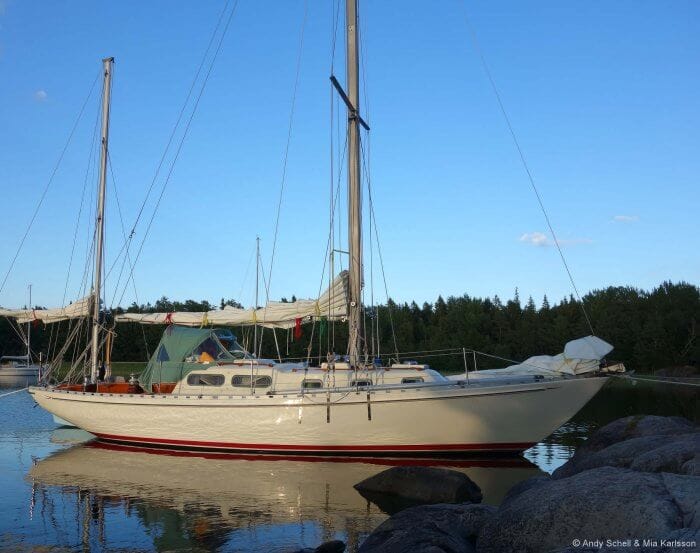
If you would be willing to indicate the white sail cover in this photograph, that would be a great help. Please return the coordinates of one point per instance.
(75, 310)
(580, 356)
(331, 304)
(590, 347)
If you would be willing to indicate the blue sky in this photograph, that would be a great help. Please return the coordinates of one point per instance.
(602, 96)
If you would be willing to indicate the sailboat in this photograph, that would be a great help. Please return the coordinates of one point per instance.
(21, 370)
(197, 394)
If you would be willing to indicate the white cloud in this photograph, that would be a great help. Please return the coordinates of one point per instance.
(41, 96)
(536, 239)
(540, 239)
(626, 218)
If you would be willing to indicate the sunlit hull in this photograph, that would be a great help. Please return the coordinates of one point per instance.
(453, 419)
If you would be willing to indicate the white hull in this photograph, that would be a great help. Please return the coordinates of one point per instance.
(408, 420)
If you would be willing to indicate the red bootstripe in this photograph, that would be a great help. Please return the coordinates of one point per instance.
(432, 461)
(295, 447)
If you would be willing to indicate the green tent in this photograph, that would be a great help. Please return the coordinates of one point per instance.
(178, 352)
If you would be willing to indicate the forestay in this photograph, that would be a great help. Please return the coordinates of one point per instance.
(332, 304)
(75, 310)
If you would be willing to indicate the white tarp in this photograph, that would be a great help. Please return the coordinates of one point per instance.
(579, 357)
(590, 347)
(332, 304)
(75, 310)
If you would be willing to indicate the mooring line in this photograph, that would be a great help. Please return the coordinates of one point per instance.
(14, 391)
(659, 380)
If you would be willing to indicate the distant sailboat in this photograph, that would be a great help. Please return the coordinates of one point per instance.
(21, 370)
(196, 394)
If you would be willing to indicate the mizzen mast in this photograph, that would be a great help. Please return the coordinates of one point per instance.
(100, 221)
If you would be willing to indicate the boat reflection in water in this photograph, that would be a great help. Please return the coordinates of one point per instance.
(182, 500)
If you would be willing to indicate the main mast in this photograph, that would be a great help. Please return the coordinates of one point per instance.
(354, 186)
(100, 222)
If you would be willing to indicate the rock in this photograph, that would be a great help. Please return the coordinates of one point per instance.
(635, 427)
(604, 502)
(525, 485)
(679, 456)
(646, 454)
(648, 443)
(333, 546)
(441, 528)
(691, 466)
(680, 540)
(400, 487)
(685, 491)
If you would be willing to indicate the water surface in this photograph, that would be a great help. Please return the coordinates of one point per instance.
(63, 492)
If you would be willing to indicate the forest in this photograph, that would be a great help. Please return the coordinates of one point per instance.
(650, 329)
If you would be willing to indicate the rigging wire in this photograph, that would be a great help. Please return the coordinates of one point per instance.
(501, 105)
(91, 164)
(326, 255)
(92, 158)
(289, 140)
(183, 137)
(48, 184)
(379, 252)
(127, 256)
(245, 276)
(334, 189)
(367, 160)
(267, 301)
(182, 110)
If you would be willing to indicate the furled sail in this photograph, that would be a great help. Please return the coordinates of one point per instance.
(332, 304)
(75, 310)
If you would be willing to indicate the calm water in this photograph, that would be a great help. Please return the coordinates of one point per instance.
(61, 492)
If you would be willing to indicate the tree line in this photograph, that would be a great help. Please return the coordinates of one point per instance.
(649, 329)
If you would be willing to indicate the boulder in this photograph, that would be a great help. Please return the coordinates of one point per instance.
(333, 546)
(685, 492)
(441, 528)
(680, 540)
(680, 456)
(674, 453)
(605, 502)
(523, 486)
(401, 487)
(635, 427)
(647, 443)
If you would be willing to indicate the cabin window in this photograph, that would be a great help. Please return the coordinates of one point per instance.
(312, 383)
(244, 381)
(412, 380)
(199, 379)
(361, 383)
